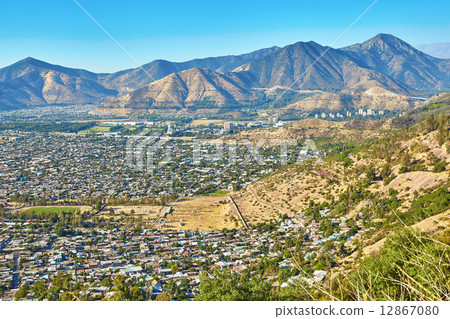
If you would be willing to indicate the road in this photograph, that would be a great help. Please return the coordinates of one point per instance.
(16, 274)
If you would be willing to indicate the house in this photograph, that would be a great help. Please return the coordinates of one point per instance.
(131, 271)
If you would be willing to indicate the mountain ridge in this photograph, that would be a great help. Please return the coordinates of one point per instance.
(187, 88)
(382, 61)
(160, 68)
(23, 83)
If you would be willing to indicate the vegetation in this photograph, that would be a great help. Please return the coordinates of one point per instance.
(411, 266)
(219, 192)
(66, 127)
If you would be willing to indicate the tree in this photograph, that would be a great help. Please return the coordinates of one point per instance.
(228, 286)
(22, 292)
(385, 171)
(125, 290)
(164, 296)
(39, 289)
(107, 282)
(370, 175)
(442, 131)
(439, 167)
(138, 294)
(174, 268)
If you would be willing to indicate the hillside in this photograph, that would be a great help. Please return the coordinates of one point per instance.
(310, 66)
(382, 63)
(375, 98)
(322, 131)
(127, 80)
(31, 82)
(373, 221)
(382, 71)
(402, 62)
(188, 88)
(404, 166)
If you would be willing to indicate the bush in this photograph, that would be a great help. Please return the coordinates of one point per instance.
(411, 266)
(439, 167)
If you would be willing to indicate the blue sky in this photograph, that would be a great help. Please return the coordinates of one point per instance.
(60, 32)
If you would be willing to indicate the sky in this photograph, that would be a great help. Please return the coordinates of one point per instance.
(59, 32)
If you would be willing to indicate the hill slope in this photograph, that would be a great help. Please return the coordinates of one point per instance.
(310, 66)
(402, 62)
(125, 81)
(188, 88)
(405, 165)
(33, 82)
(384, 62)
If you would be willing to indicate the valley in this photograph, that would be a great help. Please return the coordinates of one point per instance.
(301, 172)
(313, 215)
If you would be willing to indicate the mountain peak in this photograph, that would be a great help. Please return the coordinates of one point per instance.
(385, 37)
(27, 59)
(304, 44)
(383, 44)
(30, 60)
(382, 61)
(382, 40)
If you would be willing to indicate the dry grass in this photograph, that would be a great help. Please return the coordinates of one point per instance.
(202, 213)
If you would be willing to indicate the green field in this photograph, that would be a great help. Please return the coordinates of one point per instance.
(219, 192)
(53, 209)
(95, 130)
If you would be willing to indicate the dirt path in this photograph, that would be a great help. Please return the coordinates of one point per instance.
(276, 206)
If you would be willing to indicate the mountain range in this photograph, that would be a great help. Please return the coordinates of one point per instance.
(383, 61)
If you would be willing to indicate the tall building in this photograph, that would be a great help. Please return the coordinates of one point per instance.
(170, 128)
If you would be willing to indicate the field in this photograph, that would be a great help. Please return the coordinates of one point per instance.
(202, 213)
(219, 192)
(207, 122)
(96, 129)
(145, 213)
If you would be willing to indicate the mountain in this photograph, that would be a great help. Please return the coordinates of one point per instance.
(125, 81)
(188, 88)
(439, 50)
(310, 66)
(375, 98)
(402, 62)
(31, 82)
(383, 61)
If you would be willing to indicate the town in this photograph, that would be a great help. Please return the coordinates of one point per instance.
(64, 166)
(91, 253)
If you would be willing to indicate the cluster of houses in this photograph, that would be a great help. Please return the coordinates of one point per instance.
(152, 258)
(60, 166)
(54, 113)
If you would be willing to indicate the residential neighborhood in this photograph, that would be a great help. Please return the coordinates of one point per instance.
(63, 166)
(154, 258)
